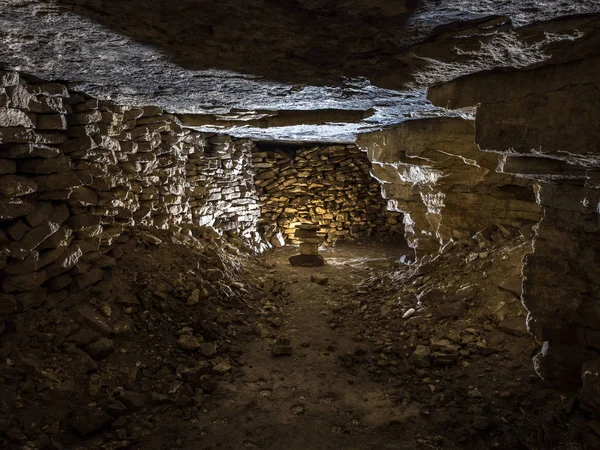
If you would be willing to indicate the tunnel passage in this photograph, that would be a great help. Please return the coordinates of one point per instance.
(139, 307)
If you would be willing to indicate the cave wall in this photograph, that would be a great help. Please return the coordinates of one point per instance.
(75, 173)
(545, 123)
(330, 185)
(446, 187)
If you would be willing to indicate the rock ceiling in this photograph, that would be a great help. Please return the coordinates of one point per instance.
(313, 70)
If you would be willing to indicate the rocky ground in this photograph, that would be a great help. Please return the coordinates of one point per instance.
(189, 343)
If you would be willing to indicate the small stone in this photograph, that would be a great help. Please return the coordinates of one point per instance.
(307, 260)
(86, 420)
(194, 297)
(183, 401)
(319, 279)
(409, 313)
(189, 342)
(134, 401)
(465, 294)
(515, 326)
(100, 348)
(222, 368)
(158, 399)
(474, 393)
(208, 349)
(421, 357)
(282, 347)
(512, 285)
(214, 275)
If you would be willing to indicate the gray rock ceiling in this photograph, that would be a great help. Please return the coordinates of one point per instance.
(348, 66)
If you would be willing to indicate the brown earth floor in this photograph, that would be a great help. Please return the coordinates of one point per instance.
(335, 392)
(306, 400)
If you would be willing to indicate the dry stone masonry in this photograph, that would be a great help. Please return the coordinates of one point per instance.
(328, 185)
(76, 172)
(309, 247)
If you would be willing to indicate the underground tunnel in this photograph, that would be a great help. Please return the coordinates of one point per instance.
(299, 224)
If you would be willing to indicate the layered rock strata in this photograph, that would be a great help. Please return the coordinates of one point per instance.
(329, 185)
(432, 171)
(546, 125)
(76, 172)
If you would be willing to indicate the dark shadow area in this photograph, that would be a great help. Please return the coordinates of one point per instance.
(304, 41)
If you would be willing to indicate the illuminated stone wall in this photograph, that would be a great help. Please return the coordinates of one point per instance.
(329, 185)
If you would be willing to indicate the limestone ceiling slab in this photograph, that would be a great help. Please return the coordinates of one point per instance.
(235, 57)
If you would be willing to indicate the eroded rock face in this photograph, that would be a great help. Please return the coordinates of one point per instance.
(546, 124)
(432, 171)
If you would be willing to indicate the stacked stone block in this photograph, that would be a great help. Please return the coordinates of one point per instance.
(76, 172)
(329, 185)
(309, 240)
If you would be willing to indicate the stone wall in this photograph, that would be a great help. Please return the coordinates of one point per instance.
(76, 172)
(328, 185)
(446, 187)
(546, 123)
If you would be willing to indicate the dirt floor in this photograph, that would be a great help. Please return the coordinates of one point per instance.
(366, 372)
(221, 350)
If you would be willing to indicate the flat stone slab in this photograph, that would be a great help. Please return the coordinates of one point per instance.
(307, 260)
(308, 227)
(515, 326)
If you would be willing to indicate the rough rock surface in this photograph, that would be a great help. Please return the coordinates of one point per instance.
(197, 57)
(541, 120)
(432, 171)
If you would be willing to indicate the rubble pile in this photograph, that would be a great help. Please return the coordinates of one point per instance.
(144, 347)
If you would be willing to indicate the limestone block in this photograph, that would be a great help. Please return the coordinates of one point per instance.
(14, 208)
(84, 118)
(68, 180)
(7, 167)
(307, 260)
(83, 130)
(67, 260)
(86, 105)
(48, 89)
(45, 229)
(25, 282)
(40, 166)
(8, 304)
(79, 144)
(17, 230)
(51, 122)
(16, 186)
(10, 117)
